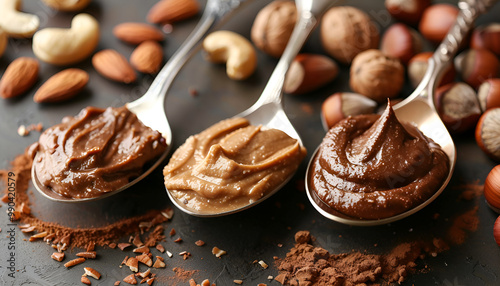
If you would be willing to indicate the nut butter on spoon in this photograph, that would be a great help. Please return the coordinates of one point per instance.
(101, 152)
(241, 161)
(385, 168)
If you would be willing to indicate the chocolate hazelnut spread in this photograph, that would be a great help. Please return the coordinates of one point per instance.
(95, 152)
(373, 167)
(230, 165)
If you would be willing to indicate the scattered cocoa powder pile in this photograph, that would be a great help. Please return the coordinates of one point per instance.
(78, 237)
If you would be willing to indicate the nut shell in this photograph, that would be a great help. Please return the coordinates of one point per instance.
(489, 94)
(309, 72)
(273, 26)
(492, 189)
(477, 65)
(377, 76)
(437, 20)
(488, 133)
(347, 31)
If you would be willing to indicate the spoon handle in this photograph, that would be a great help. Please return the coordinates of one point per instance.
(213, 15)
(443, 56)
(308, 14)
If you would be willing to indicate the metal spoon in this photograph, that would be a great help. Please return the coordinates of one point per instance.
(268, 110)
(418, 108)
(150, 107)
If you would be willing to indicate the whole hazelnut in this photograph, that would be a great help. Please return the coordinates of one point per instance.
(273, 26)
(488, 133)
(340, 105)
(376, 75)
(437, 20)
(476, 65)
(417, 66)
(458, 106)
(489, 94)
(401, 42)
(309, 72)
(487, 37)
(407, 11)
(492, 192)
(346, 31)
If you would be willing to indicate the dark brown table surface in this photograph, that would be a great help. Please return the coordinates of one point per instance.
(254, 234)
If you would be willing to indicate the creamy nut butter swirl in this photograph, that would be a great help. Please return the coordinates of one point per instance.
(373, 167)
(230, 165)
(95, 152)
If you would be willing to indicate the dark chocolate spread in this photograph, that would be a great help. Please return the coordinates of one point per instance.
(95, 152)
(373, 167)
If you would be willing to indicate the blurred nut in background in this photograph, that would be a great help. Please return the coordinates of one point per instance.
(488, 134)
(377, 76)
(401, 42)
(458, 106)
(147, 57)
(170, 11)
(340, 105)
(437, 21)
(476, 65)
(417, 66)
(15, 23)
(309, 72)
(67, 5)
(3, 41)
(346, 31)
(487, 37)
(489, 94)
(407, 11)
(273, 27)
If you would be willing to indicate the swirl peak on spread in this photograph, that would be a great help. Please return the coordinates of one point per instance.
(230, 165)
(374, 167)
(95, 152)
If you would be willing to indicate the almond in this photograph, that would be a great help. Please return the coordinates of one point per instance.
(136, 33)
(112, 65)
(61, 86)
(147, 57)
(169, 11)
(309, 72)
(19, 76)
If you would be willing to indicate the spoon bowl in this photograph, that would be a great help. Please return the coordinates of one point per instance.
(268, 111)
(150, 107)
(419, 110)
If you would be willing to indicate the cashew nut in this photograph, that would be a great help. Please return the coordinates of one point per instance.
(17, 24)
(3, 41)
(67, 5)
(233, 49)
(67, 46)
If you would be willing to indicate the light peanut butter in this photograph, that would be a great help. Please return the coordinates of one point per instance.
(230, 165)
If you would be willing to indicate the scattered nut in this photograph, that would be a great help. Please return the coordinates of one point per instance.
(67, 5)
(74, 262)
(492, 189)
(159, 263)
(147, 57)
(238, 281)
(377, 76)
(458, 106)
(401, 42)
(67, 46)
(17, 24)
(38, 235)
(234, 50)
(160, 248)
(130, 279)
(3, 41)
(169, 11)
(489, 94)
(309, 72)
(347, 31)
(417, 66)
(218, 252)
(58, 256)
(19, 76)
(87, 254)
(199, 243)
(263, 264)
(133, 264)
(85, 280)
(92, 273)
(142, 249)
(340, 105)
(112, 65)
(62, 86)
(273, 26)
(136, 33)
(487, 37)
(123, 245)
(477, 65)
(145, 259)
(496, 231)
(407, 11)
(488, 134)
(436, 20)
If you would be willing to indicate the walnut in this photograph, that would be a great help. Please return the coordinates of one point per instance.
(273, 27)
(346, 31)
(377, 76)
